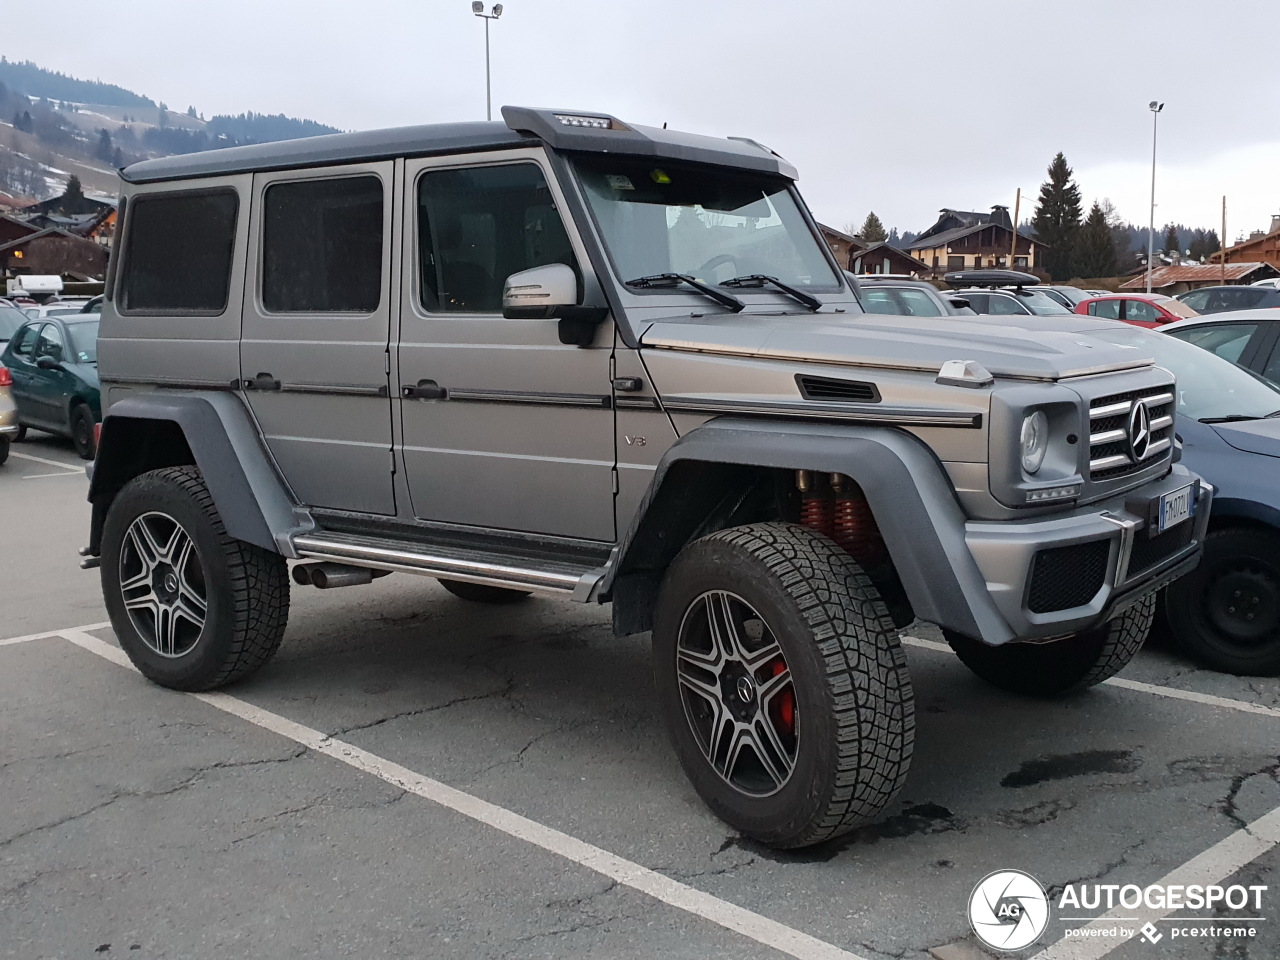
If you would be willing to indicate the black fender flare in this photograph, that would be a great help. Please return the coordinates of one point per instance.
(906, 487)
(252, 499)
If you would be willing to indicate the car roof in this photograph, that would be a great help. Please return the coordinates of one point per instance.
(521, 127)
(1132, 296)
(1226, 316)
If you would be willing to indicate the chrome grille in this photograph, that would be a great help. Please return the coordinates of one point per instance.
(1111, 422)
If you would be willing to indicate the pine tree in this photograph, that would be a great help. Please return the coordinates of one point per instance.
(105, 146)
(1057, 219)
(73, 199)
(1095, 252)
(1171, 244)
(1211, 243)
(873, 230)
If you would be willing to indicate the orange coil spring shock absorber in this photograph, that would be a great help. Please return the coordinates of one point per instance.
(856, 531)
(818, 516)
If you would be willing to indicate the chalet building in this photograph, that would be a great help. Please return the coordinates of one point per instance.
(1259, 248)
(858, 256)
(966, 240)
(54, 252)
(882, 258)
(1181, 277)
(12, 229)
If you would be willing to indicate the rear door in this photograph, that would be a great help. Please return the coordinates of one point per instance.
(317, 314)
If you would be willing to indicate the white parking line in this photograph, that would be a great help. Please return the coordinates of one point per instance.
(761, 929)
(53, 633)
(1173, 693)
(1220, 861)
(70, 468)
(41, 476)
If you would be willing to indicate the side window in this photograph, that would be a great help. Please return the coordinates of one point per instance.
(322, 246)
(1140, 310)
(177, 253)
(1106, 309)
(978, 302)
(879, 301)
(478, 226)
(1197, 301)
(26, 340)
(1272, 370)
(1227, 340)
(50, 342)
(919, 304)
(1006, 307)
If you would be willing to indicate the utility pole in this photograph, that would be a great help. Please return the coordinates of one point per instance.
(1155, 109)
(477, 7)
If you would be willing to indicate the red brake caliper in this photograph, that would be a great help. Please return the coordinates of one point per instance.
(785, 703)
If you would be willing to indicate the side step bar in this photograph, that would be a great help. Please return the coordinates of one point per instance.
(452, 563)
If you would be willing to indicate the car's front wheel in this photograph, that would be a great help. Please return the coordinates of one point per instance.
(1062, 665)
(1226, 612)
(783, 683)
(82, 423)
(192, 607)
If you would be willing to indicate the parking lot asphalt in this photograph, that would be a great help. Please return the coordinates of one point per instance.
(416, 776)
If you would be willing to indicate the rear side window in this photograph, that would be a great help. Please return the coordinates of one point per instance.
(322, 246)
(177, 256)
(1106, 309)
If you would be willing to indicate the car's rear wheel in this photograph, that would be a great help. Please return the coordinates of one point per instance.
(483, 593)
(1063, 665)
(1226, 612)
(82, 431)
(192, 607)
(783, 684)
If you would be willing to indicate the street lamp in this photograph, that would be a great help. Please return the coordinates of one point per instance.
(477, 7)
(1155, 107)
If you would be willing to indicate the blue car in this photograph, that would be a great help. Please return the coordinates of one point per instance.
(1225, 613)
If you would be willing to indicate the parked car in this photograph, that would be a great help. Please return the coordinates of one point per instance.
(833, 473)
(56, 309)
(1250, 338)
(1221, 299)
(905, 297)
(8, 413)
(93, 306)
(1272, 282)
(1140, 309)
(1226, 613)
(1008, 293)
(54, 365)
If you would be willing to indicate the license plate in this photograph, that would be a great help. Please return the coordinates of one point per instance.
(1176, 507)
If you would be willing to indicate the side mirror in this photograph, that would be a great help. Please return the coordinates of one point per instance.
(48, 363)
(551, 293)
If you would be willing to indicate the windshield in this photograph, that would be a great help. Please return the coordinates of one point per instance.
(1209, 387)
(83, 341)
(710, 223)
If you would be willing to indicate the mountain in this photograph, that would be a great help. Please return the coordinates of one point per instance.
(53, 126)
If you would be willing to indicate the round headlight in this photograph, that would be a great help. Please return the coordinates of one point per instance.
(1035, 440)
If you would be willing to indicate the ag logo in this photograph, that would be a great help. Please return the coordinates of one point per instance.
(1008, 910)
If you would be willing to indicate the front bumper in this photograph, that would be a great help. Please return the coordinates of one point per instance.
(1070, 572)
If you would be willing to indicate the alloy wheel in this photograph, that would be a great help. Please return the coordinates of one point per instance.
(738, 694)
(163, 584)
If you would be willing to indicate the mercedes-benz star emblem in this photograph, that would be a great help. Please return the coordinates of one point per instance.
(1139, 432)
(746, 689)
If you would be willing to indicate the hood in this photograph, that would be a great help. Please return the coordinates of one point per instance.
(1252, 436)
(909, 343)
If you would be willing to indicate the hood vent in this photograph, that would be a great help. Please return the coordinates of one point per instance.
(824, 388)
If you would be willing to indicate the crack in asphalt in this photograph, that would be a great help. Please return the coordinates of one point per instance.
(1227, 806)
(54, 756)
(508, 686)
(1057, 888)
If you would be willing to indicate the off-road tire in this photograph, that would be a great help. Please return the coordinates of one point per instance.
(1064, 665)
(854, 713)
(21, 434)
(482, 593)
(82, 431)
(247, 586)
(1204, 619)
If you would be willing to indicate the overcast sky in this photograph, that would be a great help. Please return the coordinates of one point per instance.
(893, 106)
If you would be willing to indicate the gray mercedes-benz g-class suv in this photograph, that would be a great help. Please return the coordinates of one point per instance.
(568, 355)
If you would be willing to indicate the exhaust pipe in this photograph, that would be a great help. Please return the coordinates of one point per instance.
(328, 576)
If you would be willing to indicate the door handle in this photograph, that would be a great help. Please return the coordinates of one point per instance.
(423, 390)
(263, 381)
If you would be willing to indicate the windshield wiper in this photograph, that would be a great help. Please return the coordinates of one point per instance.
(1234, 418)
(671, 279)
(760, 279)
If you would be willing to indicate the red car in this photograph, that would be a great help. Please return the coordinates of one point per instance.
(1140, 309)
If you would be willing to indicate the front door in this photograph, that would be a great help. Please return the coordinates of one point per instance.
(317, 308)
(504, 426)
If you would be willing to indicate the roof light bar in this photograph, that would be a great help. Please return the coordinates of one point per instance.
(576, 120)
